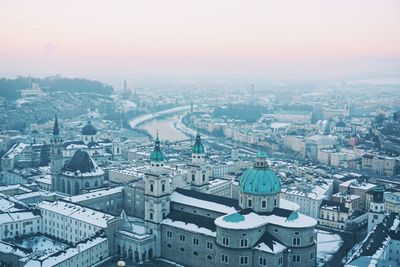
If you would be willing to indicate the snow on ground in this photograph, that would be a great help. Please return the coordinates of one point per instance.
(42, 244)
(327, 244)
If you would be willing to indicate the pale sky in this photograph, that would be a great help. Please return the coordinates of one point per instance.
(111, 40)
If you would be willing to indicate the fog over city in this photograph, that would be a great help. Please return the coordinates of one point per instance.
(211, 40)
(199, 133)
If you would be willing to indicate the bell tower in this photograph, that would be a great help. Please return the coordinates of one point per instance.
(376, 212)
(56, 157)
(156, 195)
(198, 171)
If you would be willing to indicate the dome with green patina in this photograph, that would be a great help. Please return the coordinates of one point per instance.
(260, 180)
(198, 147)
(157, 155)
(261, 154)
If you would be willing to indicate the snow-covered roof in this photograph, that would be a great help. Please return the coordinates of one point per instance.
(190, 222)
(81, 164)
(14, 187)
(288, 205)
(12, 249)
(355, 184)
(196, 199)
(77, 212)
(248, 219)
(5, 204)
(48, 261)
(15, 150)
(17, 216)
(189, 227)
(95, 194)
(275, 248)
(315, 190)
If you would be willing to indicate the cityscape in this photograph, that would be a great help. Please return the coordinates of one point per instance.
(127, 153)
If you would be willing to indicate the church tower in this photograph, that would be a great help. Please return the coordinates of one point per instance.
(376, 212)
(156, 195)
(198, 171)
(56, 157)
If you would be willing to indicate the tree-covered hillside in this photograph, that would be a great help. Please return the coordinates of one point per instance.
(9, 87)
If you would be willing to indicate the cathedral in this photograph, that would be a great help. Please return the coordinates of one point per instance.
(194, 228)
(189, 226)
(76, 174)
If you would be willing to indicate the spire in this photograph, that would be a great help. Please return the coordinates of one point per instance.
(156, 154)
(56, 130)
(198, 147)
(157, 143)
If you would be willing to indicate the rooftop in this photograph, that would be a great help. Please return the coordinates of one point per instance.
(247, 219)
(77, 212)
(205, 201)
(191, 222)
(81, 164)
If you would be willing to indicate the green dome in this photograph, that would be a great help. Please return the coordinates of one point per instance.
(198, 147)
(259, 181)
(157, 155)
(261, 154)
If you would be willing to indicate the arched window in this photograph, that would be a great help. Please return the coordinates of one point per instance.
(296, 241)
(182, 249)
(151, 187)
(204, 177)
(87, 185)
(169, 246)
(96, 183)
(163, 187)
(193, 177)
(243, 242)
(209, 258)
(196, 253)
(275, 202)
(249, 202)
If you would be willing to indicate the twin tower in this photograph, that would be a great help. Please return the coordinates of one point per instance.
(157, 186)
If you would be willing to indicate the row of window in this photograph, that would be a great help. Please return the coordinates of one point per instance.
(195, 240)
(263, 202)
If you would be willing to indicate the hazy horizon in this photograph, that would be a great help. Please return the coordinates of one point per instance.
(224, 39)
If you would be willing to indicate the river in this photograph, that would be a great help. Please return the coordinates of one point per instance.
(165, 127)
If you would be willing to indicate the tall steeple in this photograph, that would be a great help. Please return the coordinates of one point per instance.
(56, 130)
(56, 157)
